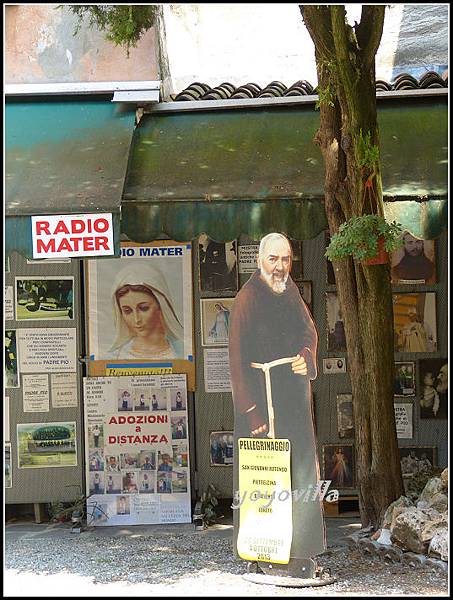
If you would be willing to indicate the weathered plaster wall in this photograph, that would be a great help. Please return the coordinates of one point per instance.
(239, 43)
(40, 48)
(423, 39)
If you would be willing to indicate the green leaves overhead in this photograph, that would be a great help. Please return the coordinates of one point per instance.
(123, 24)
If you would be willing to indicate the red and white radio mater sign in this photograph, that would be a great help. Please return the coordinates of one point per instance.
(68, 236)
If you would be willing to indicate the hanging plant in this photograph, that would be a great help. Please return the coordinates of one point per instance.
(359, 237)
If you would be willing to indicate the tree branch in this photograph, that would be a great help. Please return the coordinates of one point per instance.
(369, 31)
(317, 21)
(343, 49)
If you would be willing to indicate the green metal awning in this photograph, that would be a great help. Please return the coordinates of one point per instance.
(251, 171)
(63, 156)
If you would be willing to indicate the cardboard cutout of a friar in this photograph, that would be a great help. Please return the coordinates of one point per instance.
(272, 352)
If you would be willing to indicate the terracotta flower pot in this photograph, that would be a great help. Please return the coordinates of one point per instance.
(382, 255)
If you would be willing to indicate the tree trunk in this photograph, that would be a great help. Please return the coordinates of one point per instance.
(364, 292)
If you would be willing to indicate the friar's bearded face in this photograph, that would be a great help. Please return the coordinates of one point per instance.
(275, 264)
(278, 285)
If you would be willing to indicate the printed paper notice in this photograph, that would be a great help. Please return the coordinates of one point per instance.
(247, 258)
(9, 303)
(64, 390)
(216, 370)
(36, 392)
(6, 432)
(403, 419)
(49, 350)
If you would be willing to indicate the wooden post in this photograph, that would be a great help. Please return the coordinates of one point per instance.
(40, 513)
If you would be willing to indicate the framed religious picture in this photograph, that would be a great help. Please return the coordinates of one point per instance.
(305, 289)
(417, 459)
(414, 262)
(433, 388)
(345, 416)
(296, 266)
(12, 375)
(339, 465)
(215, 321)
(414, 322)
(330, 272)
(404, 382)
(331, 366)
(336, 338)
(44, 298)
(217, 265)
(221, 448)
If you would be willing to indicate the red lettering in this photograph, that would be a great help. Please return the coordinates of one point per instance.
(101, 225)
(42, 227)
(113, 420)
(88, 244)
(112, 439)
(131, 419)
(101, 242)
(77, 226)
(42, 247)
(121, 420)
(61, 228)
(75, 242)
(64, 245)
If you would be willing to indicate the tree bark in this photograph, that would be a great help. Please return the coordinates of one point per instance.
(346, 62)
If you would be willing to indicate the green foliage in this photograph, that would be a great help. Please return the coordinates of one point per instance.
(358, 237)
(123, 24)
(56, 511)
(209, 505)
(325, 96)
(367, 153)
(53, 432)
(62, 511)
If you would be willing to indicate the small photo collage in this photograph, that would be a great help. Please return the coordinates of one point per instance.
(143, 400)
(143, 472)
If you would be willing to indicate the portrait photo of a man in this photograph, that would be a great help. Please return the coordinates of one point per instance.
(414, 262)
(217, 265)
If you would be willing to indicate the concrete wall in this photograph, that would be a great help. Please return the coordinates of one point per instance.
(210, 43)
(239, 43)
(40, 48)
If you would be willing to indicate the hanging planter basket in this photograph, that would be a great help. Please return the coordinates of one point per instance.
(382, 256)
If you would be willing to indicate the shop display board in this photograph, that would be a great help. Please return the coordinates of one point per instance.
(137, 454)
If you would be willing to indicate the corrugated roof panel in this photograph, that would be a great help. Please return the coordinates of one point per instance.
(66, 156)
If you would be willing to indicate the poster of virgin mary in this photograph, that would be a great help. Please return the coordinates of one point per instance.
(140, 305)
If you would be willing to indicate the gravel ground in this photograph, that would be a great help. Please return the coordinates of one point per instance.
(54, 562)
